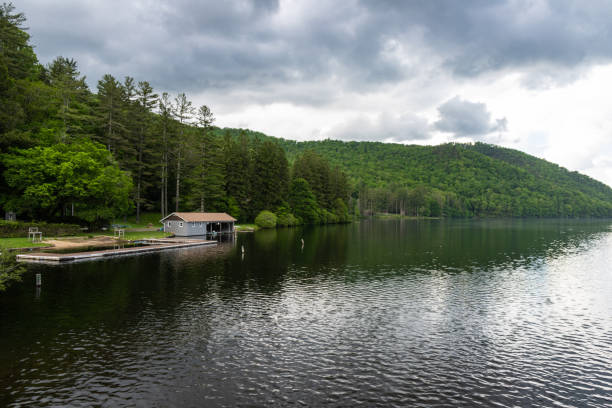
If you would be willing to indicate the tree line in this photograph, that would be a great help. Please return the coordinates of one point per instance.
(72, 154)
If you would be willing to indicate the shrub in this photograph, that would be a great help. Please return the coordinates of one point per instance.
(20, 229)
(284, 217)
(266, 219)
(327, 217)
(341, 210)
(287, 220)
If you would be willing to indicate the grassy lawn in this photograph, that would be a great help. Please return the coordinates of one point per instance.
(26, 243)
(135, 235)
(148, 234)
(19, 243)
(246, 227)
(145, 219)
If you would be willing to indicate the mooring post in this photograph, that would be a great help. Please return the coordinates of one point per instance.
(38, 280)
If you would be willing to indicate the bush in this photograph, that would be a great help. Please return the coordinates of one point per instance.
(266, 219)
(20, 229)
(341, 210)
(287, 220)
(284, 217)
(327, 217)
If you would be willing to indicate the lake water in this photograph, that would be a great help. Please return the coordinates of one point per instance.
(375, 313)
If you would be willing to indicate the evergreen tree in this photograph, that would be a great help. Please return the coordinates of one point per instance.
(74, 99)
(145, 103)
(16, 53)
(111, 98)
(165, 130)
(183, 111)
(237, 166)
(17, 63)
(303, 201)
(269, 177)
(208, 176)
(315, 169)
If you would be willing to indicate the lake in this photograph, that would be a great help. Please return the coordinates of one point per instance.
(374, 313)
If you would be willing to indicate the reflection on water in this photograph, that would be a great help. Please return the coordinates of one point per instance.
(377, 313)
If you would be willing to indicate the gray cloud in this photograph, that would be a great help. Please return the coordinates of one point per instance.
(479, 36)
(464, 118)
(385, 127)
(197, 46)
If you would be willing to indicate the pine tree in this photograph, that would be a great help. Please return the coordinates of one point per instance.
(110, 110)
(165, 122)
(237, 166)
(17, 63)
(145, 103)
(208, 178)
(315, 169)
(269, 177)
(303, 202)
(183, 111)
(74, 98)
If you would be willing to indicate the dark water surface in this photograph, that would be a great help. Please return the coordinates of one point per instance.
(377, 313)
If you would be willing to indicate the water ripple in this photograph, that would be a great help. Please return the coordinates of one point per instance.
(206, 328)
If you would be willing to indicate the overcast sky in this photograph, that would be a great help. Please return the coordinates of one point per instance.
(528, 74)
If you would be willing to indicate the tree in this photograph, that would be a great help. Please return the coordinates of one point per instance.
(145, 103)
(73, 96)
(237, 177)
(315, 169)
(183, 111)
(303, 201)
(166, 121)
(47, 181)
(208, 180)
(16, 53)
(17, 64)
(110, 109)
(269, 176)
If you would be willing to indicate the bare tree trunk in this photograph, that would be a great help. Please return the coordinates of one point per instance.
(202, 179)
(161, 188)
(166, 208)
(138, 184)
(178, 179)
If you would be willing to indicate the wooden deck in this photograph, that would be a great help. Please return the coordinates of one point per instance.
(154, 245)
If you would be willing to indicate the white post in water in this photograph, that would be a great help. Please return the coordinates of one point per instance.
(38, 280)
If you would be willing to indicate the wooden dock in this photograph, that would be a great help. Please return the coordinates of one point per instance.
(153, 245)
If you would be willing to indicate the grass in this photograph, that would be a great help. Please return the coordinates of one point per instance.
(146, 234)
(145, 219)
(27, 243)
(246, 227)
(132, 235)
(19, 243)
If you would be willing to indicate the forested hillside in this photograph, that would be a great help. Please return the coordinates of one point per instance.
(70, 153)
(457, 180)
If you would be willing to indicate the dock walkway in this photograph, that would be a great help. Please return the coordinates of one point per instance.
(153, 245)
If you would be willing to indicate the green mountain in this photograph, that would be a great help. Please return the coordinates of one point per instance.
(465, 179)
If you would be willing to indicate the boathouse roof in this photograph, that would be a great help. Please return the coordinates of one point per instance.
(200, 217)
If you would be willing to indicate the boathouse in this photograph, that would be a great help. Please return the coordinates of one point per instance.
(185, 224)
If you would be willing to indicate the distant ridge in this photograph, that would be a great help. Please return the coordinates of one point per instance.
(488, 180)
